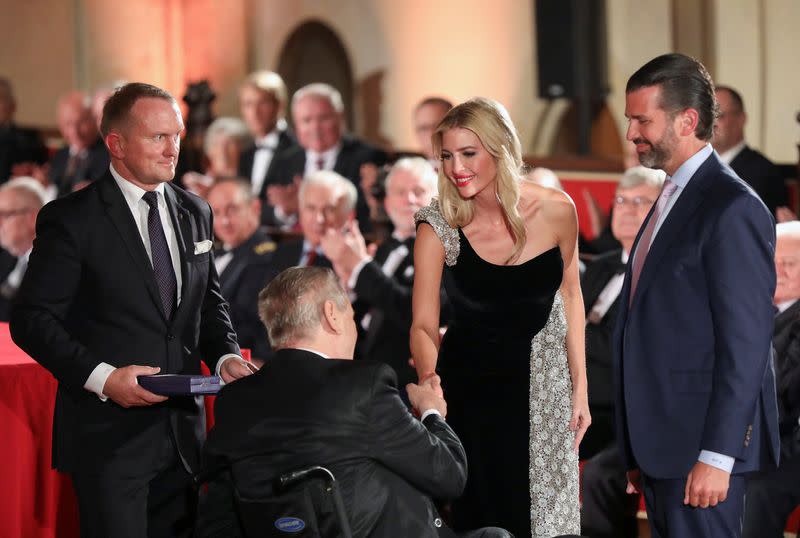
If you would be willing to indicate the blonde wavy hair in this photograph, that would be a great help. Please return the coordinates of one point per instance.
(490, 122)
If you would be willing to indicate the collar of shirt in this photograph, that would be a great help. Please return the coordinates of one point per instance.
(731, 154)
(685, 172)
(784, 306)
(624, 256)
(133, 193)
(314, 351)
(329, 156)
(307, 248)
(268, 142)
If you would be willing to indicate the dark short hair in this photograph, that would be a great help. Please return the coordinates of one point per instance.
(738, 102)
(434, 100)
(119, 105)
(685, 83)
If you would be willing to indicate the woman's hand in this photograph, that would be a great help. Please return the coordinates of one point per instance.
(581, 419)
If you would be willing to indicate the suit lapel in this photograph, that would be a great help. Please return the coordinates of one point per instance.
(185, 233)
(678, 217)
(120, 215)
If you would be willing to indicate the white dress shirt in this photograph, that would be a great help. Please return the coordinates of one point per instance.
(265, 151)
(731, 154)
(609, 294)
(328, 159)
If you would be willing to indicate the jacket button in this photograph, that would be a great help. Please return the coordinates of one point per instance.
(437, 522)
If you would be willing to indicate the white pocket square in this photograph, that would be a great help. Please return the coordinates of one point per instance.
(202, 246)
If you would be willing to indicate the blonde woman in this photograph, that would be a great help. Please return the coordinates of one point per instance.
(512, 361)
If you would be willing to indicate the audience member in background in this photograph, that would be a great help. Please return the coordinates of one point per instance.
(99, 99)
(225, 140)
(427, 115)
(312, 405)
(84, 158)
(318, 116)
(242, 261)
(544, 177)
(749, 164)
(262, 104)
(607, 511)
(773, 495)
(20, 201)
(383, 283)
(21, 150)
(327, 201)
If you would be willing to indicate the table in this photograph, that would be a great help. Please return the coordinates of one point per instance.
(38, 501)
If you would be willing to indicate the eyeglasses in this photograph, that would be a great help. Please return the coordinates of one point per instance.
(636, 201)
(14, 212)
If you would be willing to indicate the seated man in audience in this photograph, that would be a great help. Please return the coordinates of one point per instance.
(383, 284)
(20, 202)
(84, 158)
(773, 495)
(607, 510)
(427, 115)
(21, 150)
(749, 164)
(262, 103)
(318, 116)
(243, 260)
(312, 405)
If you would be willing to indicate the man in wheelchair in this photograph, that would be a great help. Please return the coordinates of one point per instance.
(311, 405)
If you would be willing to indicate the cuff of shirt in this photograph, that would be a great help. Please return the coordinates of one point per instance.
(351, 284)
(428, 413)
(223, 359)
(97, 379)
(720, 461)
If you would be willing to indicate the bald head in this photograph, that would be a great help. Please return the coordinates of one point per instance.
(787, 261)
(75, 120)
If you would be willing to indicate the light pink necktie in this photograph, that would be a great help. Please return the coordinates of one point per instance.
(647, 236)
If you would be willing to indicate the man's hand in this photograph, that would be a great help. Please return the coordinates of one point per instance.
(433, 382)
(634, 486)
(122, 387)
(706, 486)
(345, 249)
(235, 368)
(424, 396)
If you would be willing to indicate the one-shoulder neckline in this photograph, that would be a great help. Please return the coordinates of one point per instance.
(526, 262)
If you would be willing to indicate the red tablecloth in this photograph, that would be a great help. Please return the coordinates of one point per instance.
(38, 502)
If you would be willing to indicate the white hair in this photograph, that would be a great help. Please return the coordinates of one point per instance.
(227, 127)
(788, 229)
(29, 187)
(322, 91)
(333, 181)
(418, 167)
(639, 175)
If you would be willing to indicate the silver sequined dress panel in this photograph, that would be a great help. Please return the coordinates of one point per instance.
(504, 369)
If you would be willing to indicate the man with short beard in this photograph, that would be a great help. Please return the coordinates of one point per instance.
(695, 396)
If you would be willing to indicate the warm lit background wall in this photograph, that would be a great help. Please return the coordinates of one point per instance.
(458, 48)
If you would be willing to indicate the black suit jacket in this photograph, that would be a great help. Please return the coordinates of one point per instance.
(301, 409)
(93, 168)
(89, 296)
(761, 174)
(387, 299)
(240, 282)
(352, 155)
(7, 264)
(786, 341)
(18, 145)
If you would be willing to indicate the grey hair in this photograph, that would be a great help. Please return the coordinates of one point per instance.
(28, 187)
(227, 127)
(291, 305)
(334, 181)
(321, 91)
(786, 229)
(268, 82)
(418, 167)
(641, 175)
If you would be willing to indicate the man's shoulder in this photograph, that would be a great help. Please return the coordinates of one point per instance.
(189, 200)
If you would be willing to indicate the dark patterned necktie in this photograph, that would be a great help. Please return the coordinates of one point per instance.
(159, 250)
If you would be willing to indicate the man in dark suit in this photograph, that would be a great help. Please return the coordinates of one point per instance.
(750, 165)
(84, 158)
(383, 283)
(607, 512)
(773, 495)
(318, 116)
(18, 146)
(121, 283)
(312, 405)
(20, 202)
(243, 260)
(262, 104)
(695, 397)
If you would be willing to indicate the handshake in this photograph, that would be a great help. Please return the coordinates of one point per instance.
(426, 395)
